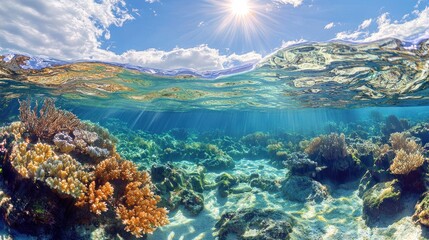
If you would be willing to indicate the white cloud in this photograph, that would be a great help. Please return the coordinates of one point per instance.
(329, 25)
(72, 30)
(295, 3)
(411, 30)
(151, 1)
(365, 24)
(62, 29)
(201, 58)
(292, 42)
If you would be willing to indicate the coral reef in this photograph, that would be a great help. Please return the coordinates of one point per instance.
(47, 121)
(138, 209)
(76, 166)
(96, 198)
(26, 158)
(64, 174)
(331, 151)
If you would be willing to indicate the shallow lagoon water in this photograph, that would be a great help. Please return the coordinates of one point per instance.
(242, 134)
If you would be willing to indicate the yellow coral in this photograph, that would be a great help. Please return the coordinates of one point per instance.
(16, 128)
(408, 154)
(313, 146)
(404, 162)
(64, 174)
(26, 161)
(139, 212)
(400, 141)
(96, 198)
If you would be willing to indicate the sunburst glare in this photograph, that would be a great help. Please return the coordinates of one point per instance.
(240, 7)
(244, 20)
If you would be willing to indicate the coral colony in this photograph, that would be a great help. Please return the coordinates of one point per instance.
(75, 166)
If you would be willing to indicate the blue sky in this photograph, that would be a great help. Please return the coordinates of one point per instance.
(203, 35)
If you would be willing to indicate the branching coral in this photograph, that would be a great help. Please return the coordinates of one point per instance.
(115, 168)
(330, 147)
(402, 141)
(48, 121)
(139, 212)
(26, 161)
(65, 175)
(404, 162)
(408, 154)
(96, 198)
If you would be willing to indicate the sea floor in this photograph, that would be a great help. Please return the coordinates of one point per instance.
(338, 217)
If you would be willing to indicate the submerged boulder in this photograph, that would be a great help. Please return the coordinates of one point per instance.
(255, 224)
(383, 199)
(302, 189)
(298, 163)
(225, 182)
(218, 163)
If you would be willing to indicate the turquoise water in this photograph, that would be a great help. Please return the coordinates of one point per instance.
(235, 146)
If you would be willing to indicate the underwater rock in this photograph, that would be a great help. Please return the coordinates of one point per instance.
(392, 124)
(225, 182)
(383, 199)
(364, 151)
(218, 163)
(265, 184)
(177, 187)
(303, 189)
(299, 164)
(192, 201)
(421, 130)
(255, 224)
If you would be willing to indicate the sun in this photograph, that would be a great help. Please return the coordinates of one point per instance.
(240, 7)
(240, 22)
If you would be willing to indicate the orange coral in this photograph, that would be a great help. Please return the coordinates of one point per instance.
(96, 198)
(139, 212)
(115, 168)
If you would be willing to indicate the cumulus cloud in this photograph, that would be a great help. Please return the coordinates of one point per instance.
(365, 24)
(329, 25)
(73, 30)
(292, 42)
(62, 29)
(202, 58)
(410, 30)
(295, 3)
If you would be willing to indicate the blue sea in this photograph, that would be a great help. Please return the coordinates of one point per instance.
(302, 145)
